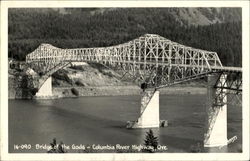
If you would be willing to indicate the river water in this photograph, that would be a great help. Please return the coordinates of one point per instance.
(102, 120)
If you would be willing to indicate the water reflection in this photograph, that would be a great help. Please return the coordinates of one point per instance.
(43, 102)
(222, 149)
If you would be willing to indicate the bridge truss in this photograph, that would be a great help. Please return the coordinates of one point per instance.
(149, 59)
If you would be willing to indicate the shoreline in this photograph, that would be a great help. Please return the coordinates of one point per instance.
(93, 91)
(66, 92)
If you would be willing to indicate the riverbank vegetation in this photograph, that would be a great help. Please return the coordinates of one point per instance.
(56, 148)
(151, 141)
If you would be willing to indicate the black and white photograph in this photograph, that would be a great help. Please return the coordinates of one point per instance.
(111, 79)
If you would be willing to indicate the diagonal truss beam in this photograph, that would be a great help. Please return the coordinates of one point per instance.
(150, 59)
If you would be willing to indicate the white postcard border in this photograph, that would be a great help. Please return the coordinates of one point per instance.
(123, 156)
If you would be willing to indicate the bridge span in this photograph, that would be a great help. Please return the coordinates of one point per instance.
(152, 62)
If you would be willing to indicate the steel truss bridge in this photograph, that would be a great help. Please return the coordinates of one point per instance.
(151, 61)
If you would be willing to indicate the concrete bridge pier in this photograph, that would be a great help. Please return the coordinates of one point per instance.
(149, 113)
(216, 109)
(46, 89)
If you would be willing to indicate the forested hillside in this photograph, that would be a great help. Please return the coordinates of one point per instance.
(213, 29)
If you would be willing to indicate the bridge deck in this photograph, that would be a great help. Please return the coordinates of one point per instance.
(228, 69)
(159, 63)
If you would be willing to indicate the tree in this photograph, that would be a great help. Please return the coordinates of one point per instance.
(56, 148)
(151, 140)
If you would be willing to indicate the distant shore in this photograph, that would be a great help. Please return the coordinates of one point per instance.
(61, 92)
(66, 92)
(90, 80)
